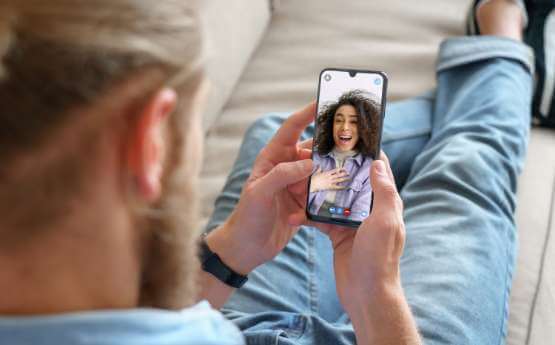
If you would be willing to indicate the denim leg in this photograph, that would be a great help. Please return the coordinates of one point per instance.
(293, 297)
(407, 129)
(460, 196)
(459, 201)
(265, 286)
(270, 304)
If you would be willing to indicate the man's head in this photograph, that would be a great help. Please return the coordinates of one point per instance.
(100, 148)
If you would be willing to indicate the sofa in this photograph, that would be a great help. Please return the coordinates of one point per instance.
(264, 56)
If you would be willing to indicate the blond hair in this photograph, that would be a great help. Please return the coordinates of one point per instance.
(59, 55)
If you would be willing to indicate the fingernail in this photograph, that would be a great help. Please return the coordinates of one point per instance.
(380, 167)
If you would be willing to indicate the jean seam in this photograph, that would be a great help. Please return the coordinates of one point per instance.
(458, 61)
(312, 288)
(466, 51)
(276, 339)
(297, 327)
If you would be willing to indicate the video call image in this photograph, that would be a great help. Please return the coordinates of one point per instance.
(346, 138)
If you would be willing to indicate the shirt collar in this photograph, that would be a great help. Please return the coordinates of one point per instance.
(358, 157)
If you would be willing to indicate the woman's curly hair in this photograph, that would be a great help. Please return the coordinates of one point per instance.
(368, 123)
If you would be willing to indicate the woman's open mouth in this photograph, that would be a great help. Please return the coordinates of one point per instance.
(345, 139)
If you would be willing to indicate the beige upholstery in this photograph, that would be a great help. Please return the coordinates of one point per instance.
(232, 31)
(400, 38)
(533, 297)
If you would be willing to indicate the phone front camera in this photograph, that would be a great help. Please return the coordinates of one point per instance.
(327, 77)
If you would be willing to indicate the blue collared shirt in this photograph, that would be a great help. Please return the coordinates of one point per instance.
(198, 325)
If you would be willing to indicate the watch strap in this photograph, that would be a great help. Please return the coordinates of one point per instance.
(214, 265)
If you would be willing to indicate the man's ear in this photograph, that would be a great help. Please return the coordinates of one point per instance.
(146, 146)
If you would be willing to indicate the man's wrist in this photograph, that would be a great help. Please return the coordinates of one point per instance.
(222, 242)
(370, 303)
(382, 310)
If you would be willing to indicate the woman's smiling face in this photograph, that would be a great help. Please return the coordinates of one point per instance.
(345, 128)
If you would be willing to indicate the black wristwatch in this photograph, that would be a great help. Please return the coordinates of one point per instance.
(212, 264)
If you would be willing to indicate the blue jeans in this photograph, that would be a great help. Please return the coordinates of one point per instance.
(456, 154)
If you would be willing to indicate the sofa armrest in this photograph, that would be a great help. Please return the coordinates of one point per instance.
(232, 31)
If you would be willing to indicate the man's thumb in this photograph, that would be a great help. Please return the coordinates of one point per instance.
(386, 197)
(285, 174)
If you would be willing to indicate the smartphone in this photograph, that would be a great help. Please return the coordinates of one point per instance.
(347, 136)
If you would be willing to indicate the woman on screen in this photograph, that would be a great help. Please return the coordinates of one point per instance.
(344, 145)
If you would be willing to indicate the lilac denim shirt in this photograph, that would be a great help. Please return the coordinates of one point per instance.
(358, 194)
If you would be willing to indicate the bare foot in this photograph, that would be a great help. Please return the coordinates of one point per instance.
(500, 18)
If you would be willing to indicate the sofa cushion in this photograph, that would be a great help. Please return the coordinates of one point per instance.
(306, 36)
(232, 31)
(532, 308)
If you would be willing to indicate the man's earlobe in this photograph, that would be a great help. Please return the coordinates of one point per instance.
(147, 144)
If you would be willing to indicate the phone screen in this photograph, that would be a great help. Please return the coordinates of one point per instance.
(346, 141)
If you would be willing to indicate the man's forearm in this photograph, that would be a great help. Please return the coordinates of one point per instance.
(385, 319)
(211, 288)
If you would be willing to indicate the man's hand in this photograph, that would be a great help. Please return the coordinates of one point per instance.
(269, 213)
(366, 264)
(328, 180)
(367, 260)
